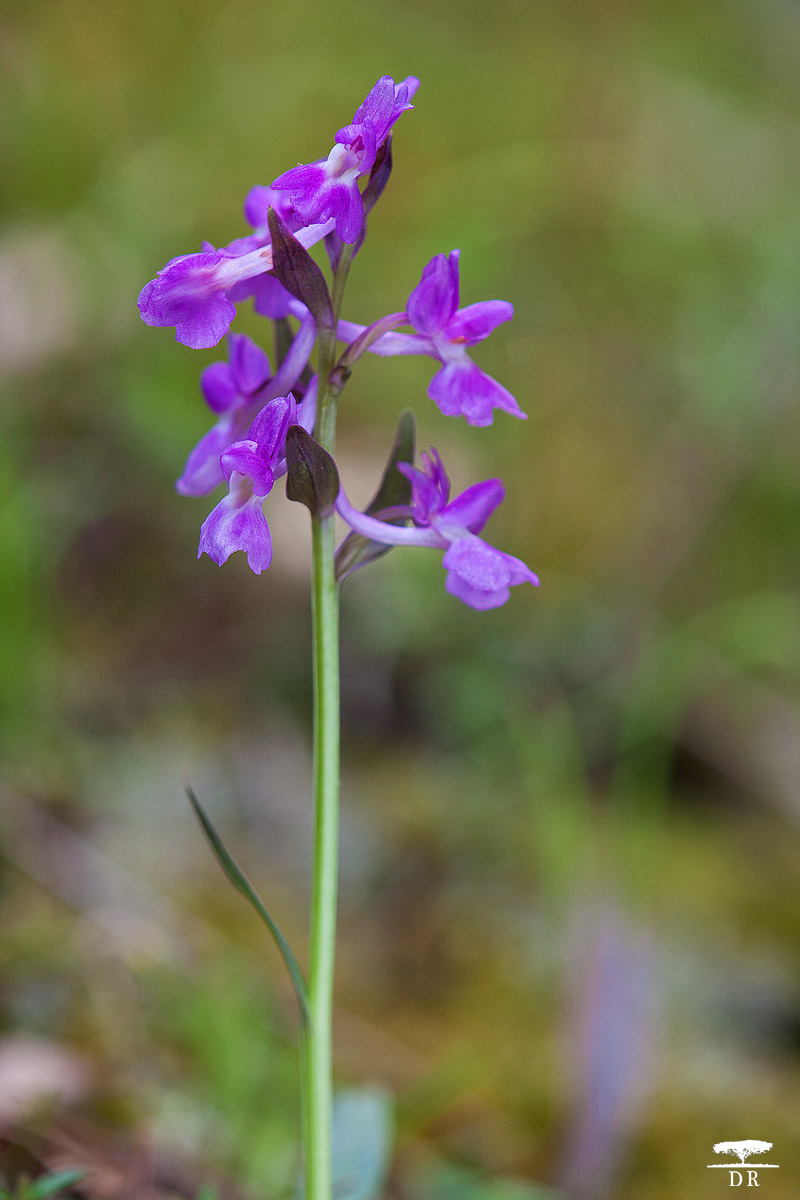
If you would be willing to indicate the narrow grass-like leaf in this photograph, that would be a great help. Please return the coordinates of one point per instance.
(47, 1186)
(394, 490)
(246, 889)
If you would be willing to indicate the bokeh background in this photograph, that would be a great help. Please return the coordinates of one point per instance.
(569, 915)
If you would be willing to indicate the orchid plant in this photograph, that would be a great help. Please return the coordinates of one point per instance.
(272, 424)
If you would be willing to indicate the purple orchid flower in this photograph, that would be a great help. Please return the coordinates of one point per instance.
(459, 387)
(235, 391)
(193, 291)
(251, 467)
(477, 573)
(270, 297)
(328, 189)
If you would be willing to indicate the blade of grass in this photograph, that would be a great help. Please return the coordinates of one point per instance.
(246, 889)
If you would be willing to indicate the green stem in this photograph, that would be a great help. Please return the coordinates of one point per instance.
(340, 277)
(319, 1058)
(318, 1041)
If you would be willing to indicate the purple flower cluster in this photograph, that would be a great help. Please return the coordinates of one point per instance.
(254, 408)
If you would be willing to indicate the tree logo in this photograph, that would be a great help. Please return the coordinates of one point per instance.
(742, 1151)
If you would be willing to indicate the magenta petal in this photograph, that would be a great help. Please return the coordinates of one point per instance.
(186, 294)
(462, 390)
(481, 575)
(270, 425)
(475, 597)
(411, 86)
(477, 563)
(519, 571)
(476, 321)
(425, 496)
(385, 103)
(270, 297)
(378, 104)
(258, 202)
(203, 472)
(219, 387)
(433, 465)
(346, 206)
(306, 176)
(430, 487)
(306, 186)
(435, 298)
(256, 206)
(249, 363)
(233, 526)
(204, 326)
(472, 509)
(245, 458)
(306, 414)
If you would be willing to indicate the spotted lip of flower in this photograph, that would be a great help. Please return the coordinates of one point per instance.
(444, 331)
(328, 189)
(238, 521)
(477, 573)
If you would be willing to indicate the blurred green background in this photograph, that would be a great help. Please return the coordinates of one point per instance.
(569, 918)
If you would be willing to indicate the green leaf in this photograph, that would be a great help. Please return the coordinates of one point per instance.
(312, 478)
(357, 551)
(362, 1143)
(244, 886)
(50, 1185)
(298, 272)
